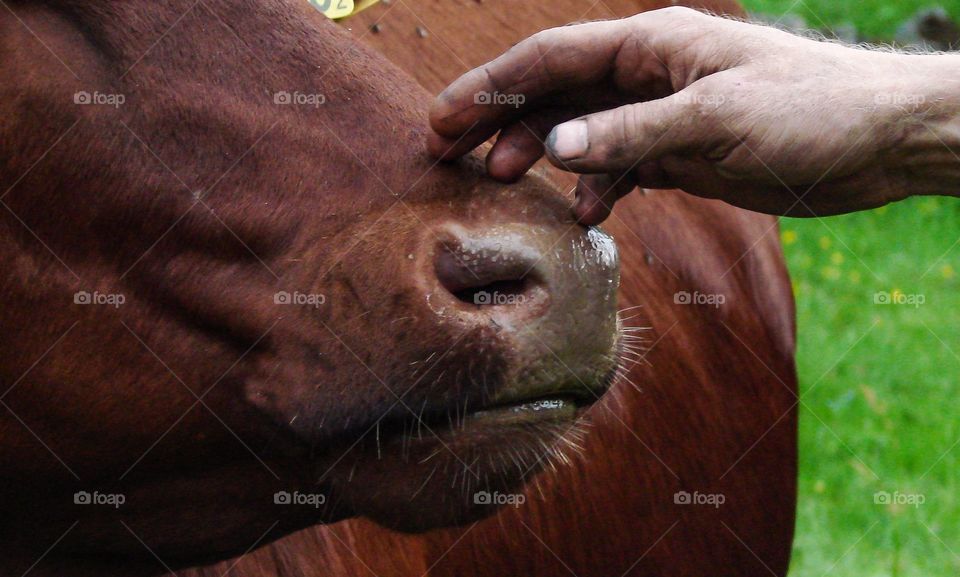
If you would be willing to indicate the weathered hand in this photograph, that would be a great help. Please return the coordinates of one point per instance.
(723, 109)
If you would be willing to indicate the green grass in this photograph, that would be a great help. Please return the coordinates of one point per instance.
(880, 390)
(876, 19)
(880, 383)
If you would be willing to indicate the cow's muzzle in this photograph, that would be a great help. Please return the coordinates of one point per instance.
(549, 294)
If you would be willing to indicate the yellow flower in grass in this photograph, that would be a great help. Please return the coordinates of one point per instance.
(825, 242)
(873, 400)
(830, 273)
(854, 276)
(836, 258)
(947, 271)
(788, 237)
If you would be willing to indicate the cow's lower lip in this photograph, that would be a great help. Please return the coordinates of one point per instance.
(517, 406)
(561, 408)
(541, 404)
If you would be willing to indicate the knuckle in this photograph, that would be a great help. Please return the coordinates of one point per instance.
(488, 76)
(676, 13)
(614, 132)
(705, 101)
(543, 40)
(628, 124)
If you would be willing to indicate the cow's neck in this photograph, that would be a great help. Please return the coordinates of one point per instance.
(125, 33)
(173, 45)
(35, 564)
(119, 28)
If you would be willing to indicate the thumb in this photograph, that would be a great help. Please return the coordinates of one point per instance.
(615, 141)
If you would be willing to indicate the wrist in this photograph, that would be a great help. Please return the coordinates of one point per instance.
(921, 114)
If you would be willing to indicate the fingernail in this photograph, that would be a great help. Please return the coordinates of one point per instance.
(569, 140)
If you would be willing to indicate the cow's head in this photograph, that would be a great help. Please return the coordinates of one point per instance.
(236, 291)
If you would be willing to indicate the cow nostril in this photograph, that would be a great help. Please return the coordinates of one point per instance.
(477, 276)
(497, 292)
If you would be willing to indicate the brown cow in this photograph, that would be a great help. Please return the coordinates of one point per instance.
(260, 204)
(714, 412)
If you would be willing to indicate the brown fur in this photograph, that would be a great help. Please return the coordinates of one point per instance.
(713, 411)
(716, 398)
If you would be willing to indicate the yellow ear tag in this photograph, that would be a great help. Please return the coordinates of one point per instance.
(333, 9)
(364, 4)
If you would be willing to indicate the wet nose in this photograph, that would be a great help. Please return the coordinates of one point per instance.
(546, 286)
(494, 275)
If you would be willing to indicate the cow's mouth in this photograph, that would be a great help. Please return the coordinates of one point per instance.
(548, 403)
(545, 408)
(560, 404)
(438, 459)
(526, 407)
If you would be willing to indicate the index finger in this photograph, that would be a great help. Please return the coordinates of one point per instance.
(491, 95)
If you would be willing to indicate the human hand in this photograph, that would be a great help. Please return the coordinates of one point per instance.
(674, 98)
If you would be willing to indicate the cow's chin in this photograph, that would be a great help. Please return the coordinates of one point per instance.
(445, 476)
